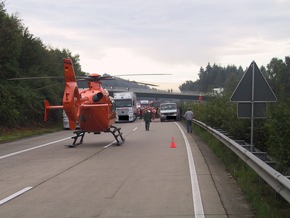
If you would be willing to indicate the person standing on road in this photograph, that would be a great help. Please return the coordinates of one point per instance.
(189, 116)
(147, 119)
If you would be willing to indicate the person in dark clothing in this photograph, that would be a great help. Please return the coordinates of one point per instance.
(147, 119)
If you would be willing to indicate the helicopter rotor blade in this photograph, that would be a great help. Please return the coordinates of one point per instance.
(106, 78)
(145, 74)
(91, 78)
(142, 74)
(44, 87)
(147, 84)
(95, 78)
(37, 77)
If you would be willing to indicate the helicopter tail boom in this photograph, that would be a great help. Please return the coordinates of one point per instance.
(47, 106)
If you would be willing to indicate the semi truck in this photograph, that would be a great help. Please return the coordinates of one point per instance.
(126, 106)
(168, 111)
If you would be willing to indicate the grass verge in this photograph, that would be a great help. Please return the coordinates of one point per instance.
(263, 199)
(7, 135)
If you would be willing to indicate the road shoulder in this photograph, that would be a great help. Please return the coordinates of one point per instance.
(231, 196)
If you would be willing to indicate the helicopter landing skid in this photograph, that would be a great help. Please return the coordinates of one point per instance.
(117, 134)
(78, 133)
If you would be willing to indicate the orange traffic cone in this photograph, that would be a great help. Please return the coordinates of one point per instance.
(172, 143)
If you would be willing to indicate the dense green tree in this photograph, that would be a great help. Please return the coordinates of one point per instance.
(214, 77)
(278, 121)
(189, 86)
(10, 41)
(23, 55)
(278, 73)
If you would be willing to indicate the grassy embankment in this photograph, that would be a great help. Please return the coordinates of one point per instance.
(7, 135)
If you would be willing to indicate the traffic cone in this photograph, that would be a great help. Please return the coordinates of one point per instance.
(172, 143)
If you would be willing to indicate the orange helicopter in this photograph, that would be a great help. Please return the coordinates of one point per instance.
(93, 109)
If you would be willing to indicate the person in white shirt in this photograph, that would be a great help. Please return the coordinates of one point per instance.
(189, 116)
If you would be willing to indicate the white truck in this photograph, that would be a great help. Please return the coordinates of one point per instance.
(168, 111)
(126, 106)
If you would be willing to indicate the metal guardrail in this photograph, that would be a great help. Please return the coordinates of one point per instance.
(280, 183)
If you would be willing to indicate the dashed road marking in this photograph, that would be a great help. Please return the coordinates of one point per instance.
(33, 148)
(9, 198)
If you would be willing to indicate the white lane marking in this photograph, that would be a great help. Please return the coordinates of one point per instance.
(116, 141)
(196, 197)
(33, 148)
(108, 145)
(9, 198)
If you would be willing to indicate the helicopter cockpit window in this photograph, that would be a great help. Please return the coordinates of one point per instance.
(123, 103)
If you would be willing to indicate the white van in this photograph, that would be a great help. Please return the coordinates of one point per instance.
(168, 111)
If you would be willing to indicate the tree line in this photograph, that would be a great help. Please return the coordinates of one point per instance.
(24, 55)
(213, 76)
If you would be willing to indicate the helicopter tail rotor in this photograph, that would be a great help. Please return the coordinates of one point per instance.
(71, 96)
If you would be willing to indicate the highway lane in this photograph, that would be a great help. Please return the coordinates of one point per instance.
(144, 177)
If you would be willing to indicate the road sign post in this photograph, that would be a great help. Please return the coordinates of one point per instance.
(252, 93)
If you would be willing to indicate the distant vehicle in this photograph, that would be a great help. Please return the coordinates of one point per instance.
(65, 121)
(152, 106)
(126, 106)
(144, 103)
(218, 91)
(168, 111)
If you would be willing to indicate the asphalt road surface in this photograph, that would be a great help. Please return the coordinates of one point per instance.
(164, 172)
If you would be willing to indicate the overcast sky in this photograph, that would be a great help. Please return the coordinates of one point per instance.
(160, 36)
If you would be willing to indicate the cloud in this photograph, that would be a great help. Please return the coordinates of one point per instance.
(175, 36)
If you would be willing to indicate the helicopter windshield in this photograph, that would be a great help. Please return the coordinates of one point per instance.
(123, 103)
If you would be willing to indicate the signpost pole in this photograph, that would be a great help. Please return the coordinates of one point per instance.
(252, 107)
